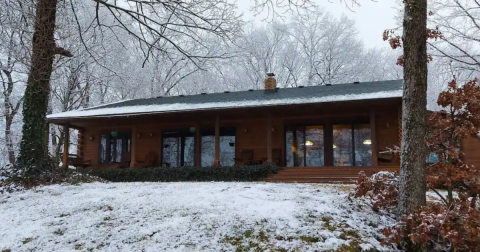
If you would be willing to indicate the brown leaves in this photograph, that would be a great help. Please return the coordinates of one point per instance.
(454, 223)
(395, 40)
(382, 188)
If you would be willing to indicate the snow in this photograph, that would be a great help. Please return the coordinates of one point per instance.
(186, 217)
(175, 107)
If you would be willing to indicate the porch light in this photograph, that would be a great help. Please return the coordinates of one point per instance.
(308, 143)
(367, 142)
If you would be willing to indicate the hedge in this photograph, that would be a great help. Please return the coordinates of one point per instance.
(162, 174)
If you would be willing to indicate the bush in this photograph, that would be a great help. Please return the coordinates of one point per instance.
(381, 188)
(162, 174)
(13, 178)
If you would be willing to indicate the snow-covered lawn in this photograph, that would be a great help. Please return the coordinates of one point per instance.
(187, 217)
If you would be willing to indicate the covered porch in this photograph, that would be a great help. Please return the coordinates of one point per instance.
(303, 137)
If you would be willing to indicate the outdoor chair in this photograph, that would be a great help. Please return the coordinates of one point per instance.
(149, 160)
(385, 156)
(78, 162)
(246, 158)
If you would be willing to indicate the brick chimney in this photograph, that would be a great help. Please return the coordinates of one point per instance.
(270, 82)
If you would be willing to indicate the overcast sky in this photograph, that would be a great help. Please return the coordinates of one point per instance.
(371, 18)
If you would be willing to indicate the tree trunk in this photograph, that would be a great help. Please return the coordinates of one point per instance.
(33, 148)
(414, 118)
(9, 113)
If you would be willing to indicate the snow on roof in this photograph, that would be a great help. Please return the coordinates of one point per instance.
(244, 99)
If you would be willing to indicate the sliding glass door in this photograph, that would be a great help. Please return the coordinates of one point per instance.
(352, 145)
(304, 146)
(227, 146)
(178, 148)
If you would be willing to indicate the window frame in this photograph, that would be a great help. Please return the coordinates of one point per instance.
(352, 129)
(304, 149)
(224, 131)
(179, 134)
(125, 136)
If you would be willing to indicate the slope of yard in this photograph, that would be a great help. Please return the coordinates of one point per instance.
(188, 217)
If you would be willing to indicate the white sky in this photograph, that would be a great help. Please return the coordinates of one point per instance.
(371, 18)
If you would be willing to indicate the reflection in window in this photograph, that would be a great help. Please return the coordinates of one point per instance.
(171, 150)
(432, 158)
(208, 151)
(304, 146)
(352, 145)
(114, 147)
(227, 147)
(314, 146)
(363, 145)
(342, 145)
(178, 148)
(189, 151)
(227, 150)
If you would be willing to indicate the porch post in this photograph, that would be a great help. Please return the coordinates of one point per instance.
(373, 133)
(217, 141)
(198, 140)
(328, 143)
(66, 143)
(269, 139)
(133, 148)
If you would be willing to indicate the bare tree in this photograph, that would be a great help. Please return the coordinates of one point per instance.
(152, 23)
(459, 23)
(14, 36)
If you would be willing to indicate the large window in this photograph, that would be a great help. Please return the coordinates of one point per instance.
(304, 146)
(114, 147)
(178, 148)
(352, 145)
(227, 146)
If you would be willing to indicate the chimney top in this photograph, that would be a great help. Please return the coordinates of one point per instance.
(270, 82)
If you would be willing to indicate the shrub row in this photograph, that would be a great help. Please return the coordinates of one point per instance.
(162, 174)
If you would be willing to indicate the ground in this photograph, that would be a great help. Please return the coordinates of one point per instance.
(188, 217)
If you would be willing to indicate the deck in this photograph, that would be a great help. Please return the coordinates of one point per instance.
(341, 175)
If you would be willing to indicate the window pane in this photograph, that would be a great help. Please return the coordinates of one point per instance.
(171, 151)
(103, 149)
(189, 151)
(118, 157)
(111, 158)
(363, 145)
(227, 150)
(208, 151)
(295, 146)
(342, 145)
(314, 146)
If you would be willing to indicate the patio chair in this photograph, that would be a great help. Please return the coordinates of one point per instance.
(78, 162)
(277, 156)
(384, 156)
(149, 160)
(125, 161)
(246, 158)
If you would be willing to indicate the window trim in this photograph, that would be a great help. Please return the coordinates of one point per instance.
(182, 134)
(224, 131)
(304, 125)
(108, 146)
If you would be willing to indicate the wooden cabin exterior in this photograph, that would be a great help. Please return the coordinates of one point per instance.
(317, 138)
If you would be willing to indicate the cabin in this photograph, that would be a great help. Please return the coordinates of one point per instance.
(326, 133)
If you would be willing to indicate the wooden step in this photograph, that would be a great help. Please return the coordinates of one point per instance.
(310, 180)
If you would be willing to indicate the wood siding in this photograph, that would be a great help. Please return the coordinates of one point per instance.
(251, 128)
(471, 148)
